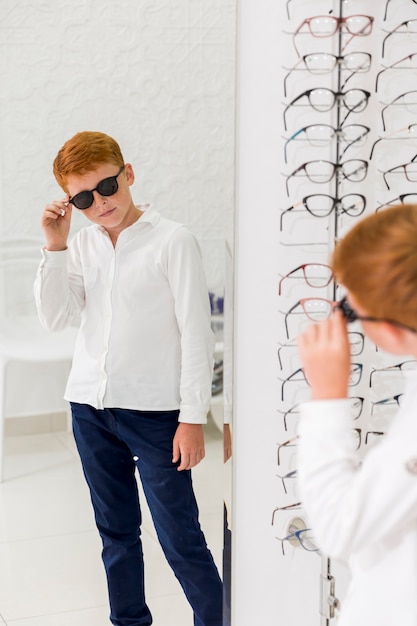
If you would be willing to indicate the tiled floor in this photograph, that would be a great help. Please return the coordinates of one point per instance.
(50, 567)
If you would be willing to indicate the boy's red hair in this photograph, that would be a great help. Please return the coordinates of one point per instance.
(377, 262)
(83, 153)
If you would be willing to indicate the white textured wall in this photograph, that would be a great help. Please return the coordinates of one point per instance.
(158, 75)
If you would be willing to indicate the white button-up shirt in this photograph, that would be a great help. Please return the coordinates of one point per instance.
(145, 340)
(365, 513)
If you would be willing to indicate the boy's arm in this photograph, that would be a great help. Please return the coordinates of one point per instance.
(58, 295)
(192, 309)
(349, 504)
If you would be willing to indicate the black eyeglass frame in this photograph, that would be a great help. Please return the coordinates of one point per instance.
(337, 171)
(336, 206)
(402, 167)
(386, 8)
(351, 316)
(401, 198)
(99, 189)
(337, 97)
(398, 32)
(396, 103)
(395, 66)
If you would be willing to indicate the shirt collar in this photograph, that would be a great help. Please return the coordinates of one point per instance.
(149, 215)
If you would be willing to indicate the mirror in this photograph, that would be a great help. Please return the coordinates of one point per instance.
(158, 76)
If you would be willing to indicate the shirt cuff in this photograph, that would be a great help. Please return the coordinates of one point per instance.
(193, 414)
(53, 258)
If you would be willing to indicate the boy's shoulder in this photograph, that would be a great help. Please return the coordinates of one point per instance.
(163, 223)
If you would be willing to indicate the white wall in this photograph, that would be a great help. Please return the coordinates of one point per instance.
(158, 75)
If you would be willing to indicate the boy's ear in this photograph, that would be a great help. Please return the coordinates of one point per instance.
(129, 173)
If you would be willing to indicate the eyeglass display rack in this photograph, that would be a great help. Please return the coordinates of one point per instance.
(371, 163)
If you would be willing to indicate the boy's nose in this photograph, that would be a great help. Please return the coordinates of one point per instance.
(98, 199)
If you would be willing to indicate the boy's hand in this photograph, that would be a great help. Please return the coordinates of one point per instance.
(227, 443)
(325, 355)
(55, 223)
(188, 445)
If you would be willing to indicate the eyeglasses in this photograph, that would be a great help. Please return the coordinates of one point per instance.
(401, 367)
(322, 205)
(289, 507)
(316, 309)
(321, 135)
(302, 537)
(394, 400)
(395, 136)
(386, 7)
(291, 442)
(409, 27)
(408, 169)
(356, 408)
(351, 316)
(407, 99)
(314, 274)
(322, 99)
(292, 474)
(375, 433)
(411, 65)
(354, 377)
(328, 25)
(106, 187)
(293, 411)
(405, 198)
(321, 171)
(324, 63)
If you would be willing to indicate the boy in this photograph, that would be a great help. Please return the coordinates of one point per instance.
(140, 383)
(366, 514)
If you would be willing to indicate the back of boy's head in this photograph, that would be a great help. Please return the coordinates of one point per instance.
(377, 263)
(84, 153)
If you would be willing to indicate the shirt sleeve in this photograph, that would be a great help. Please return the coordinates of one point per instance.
(59, 291)
(192, 309)
(351, 503)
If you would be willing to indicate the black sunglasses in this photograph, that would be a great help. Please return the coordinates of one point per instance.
(351, 316)
(106, 187)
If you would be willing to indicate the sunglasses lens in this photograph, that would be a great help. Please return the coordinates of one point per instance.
(83, 200)
(108, 186)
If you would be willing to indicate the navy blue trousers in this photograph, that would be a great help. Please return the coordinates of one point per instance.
(111, 442)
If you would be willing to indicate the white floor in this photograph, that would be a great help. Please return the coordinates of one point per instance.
(50, 566)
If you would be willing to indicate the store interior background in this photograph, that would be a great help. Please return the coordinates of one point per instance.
(193, 92)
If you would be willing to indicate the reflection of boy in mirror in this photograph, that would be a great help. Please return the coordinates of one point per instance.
(366, 513)
(141, 378)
